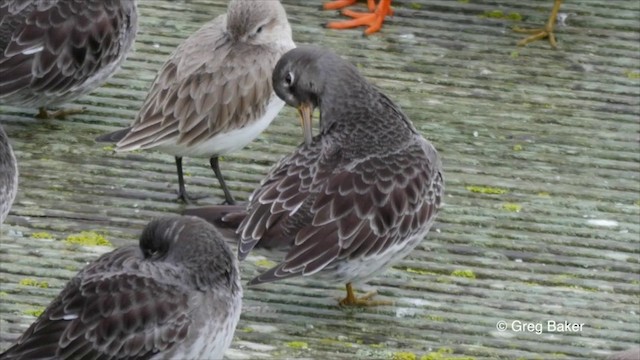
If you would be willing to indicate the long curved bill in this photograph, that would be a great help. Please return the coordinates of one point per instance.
(306, 110)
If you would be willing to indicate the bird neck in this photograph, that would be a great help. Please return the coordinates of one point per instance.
(359, 110)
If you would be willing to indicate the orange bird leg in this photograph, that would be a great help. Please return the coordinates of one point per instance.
(365, 300)
(338, 4)
(371, 4)
(541, 33)
(373, 20)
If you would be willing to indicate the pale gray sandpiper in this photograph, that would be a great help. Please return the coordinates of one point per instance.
(176, 295)
(213, 95)
(8, 175)
(354, 199)
(55, 51)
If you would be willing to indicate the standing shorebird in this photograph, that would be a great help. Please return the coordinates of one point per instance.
(352, 200)
(214, 96)
(176, 295)
(55, 51)
(8, 176)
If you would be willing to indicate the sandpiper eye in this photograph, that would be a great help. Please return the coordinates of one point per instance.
(289, 78)
(259, 30)
(151, 253)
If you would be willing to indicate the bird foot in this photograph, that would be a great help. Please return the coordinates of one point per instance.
(189, 199)
(338, 4)
(542, 33)
(228, 202)
(59, 114)
(537, 34)
(364, 300)
(373, 20)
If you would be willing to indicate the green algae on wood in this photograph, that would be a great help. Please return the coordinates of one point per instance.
(632, 74)
(42, 235)
(511, 207)
(34, 283)
(469, 274)
(486, 190)
(87, 238)
(404, 355)
(499, 14)
(299, 345)
(265, 263)
(34, 312)
(434, 318)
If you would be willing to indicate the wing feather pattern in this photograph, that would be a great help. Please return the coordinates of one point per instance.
(332, 209)
(103, 314)
(54, 49)
(199, 94)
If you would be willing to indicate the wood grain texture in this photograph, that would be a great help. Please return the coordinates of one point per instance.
(541, 151)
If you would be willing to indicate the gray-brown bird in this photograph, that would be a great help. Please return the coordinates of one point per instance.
(176, 295)
(55, 51)
(352, 200)
(8, 176)
(213, 96)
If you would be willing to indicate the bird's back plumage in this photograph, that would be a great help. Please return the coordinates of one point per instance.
(367, 187)
(176, 294)
(8, 175)
(212, 84)
(55, 51)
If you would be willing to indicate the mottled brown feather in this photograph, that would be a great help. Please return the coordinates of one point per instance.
(138, 301)
(199, 94)
(78, 40)
(344, 223)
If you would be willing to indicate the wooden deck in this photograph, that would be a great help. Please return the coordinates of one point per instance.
(541, 150)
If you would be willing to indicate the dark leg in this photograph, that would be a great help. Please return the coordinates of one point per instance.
(216, 169)
(182, 192)
(42, 113)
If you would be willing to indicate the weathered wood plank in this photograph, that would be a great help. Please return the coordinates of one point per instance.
(541, 149)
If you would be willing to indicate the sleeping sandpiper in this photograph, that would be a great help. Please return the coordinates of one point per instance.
(214, 95)
(176, 295)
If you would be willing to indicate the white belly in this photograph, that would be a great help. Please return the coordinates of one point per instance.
(227, 142)
(359, 269)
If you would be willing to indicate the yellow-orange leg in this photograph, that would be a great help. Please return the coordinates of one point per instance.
(372, 20)
(541, 33)
(339, 4)
(364, 300)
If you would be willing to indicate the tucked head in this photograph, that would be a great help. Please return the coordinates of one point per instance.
(303, 75)
(183, 239)
(257, 21)
(190, 242)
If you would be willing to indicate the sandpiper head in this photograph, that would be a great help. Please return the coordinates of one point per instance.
(193, 243)
(301, 76)
(258, 22)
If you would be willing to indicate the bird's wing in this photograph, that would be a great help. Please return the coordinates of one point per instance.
(356, 211)
(205, 85)
(278, 206)
(108, 315)
(59, 44)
